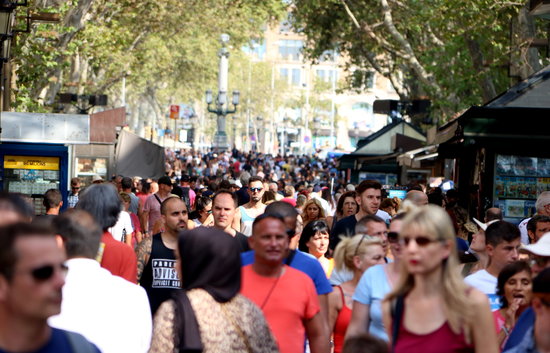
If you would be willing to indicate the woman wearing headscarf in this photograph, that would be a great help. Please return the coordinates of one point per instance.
(209, 314)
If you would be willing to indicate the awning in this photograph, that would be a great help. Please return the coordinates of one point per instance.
(412, 158)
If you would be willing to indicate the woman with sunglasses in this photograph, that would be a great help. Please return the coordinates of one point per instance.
(431, 309)
(314, 240)
(355, 254)
(373, 286)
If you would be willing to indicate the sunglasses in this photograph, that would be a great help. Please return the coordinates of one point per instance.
(46, 272)
(256, 189)
(420, 241)
(358, 245)
(393, 237)
(75, 187)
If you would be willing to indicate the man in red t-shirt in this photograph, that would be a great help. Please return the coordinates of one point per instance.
(286, 296)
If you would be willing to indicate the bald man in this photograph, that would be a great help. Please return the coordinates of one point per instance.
(417, 197)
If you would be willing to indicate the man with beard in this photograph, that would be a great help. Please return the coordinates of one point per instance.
(156, 258)
(253, 208)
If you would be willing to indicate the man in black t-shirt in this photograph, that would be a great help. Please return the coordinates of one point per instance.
(155, 255)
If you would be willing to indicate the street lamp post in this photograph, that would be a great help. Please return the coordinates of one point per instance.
(221, 110)
(316, 127)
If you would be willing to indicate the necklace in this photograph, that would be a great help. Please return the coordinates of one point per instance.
(272, 288)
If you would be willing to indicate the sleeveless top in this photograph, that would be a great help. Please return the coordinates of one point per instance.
(341, 324)
(159, 277)
(442, 340)
(246, 221)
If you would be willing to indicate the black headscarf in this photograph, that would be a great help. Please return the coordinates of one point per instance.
(210, 260)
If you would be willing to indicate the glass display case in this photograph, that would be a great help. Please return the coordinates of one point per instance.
(518, 181)
(31, 176)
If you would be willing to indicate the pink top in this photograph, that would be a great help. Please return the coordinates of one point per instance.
(499, 321)
(442, 340)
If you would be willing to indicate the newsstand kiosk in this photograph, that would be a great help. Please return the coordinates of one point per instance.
(34, 153)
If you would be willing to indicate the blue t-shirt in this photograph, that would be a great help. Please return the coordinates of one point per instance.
(371, 290)
(525, 322)
(302, 262)
(58, 343)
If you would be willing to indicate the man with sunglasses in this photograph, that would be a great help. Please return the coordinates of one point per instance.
(502, 243)
(540, 261)
(95, 303)
(72, 198)
(32, 274)
(253, 208)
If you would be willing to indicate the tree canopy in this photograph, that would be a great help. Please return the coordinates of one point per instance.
(166, 51)
(456, 53)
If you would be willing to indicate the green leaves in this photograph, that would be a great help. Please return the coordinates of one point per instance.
(431, 43)
(167, 47)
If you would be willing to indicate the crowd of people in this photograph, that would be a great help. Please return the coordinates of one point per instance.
(255, 253)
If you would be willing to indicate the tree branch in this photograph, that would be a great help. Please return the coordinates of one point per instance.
(409, 56)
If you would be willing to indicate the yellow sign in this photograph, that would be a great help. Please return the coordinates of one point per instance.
(31, 162)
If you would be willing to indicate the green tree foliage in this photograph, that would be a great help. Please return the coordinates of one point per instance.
(454, 52)
(166, 50)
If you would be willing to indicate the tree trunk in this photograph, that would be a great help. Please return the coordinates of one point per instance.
(485, 82)
(524, 59)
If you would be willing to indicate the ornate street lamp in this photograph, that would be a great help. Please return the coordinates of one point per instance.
(221, 106)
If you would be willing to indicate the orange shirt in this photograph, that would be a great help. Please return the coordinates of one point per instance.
(286, 304)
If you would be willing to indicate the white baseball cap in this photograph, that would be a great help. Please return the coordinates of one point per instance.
(541, 247)
(484, 225)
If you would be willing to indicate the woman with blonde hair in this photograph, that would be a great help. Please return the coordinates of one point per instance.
(313, 211)
(431, 309)
(355, 254)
